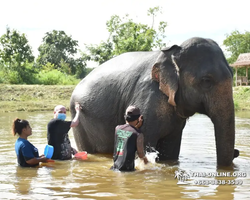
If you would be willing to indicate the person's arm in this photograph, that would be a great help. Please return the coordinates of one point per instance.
(34, 161)
(140, 148)
(75, 121)
(30, 152)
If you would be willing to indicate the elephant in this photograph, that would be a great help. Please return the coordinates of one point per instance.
(169, 86)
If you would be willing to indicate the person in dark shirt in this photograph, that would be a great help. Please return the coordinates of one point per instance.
(57, 133)
(27, 153)
(128, 141)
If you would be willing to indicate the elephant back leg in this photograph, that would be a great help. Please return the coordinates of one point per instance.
(81, 138)
(94, 138)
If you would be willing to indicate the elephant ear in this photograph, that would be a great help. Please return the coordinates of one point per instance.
(166, 72)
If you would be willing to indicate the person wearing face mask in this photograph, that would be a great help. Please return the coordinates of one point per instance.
(128, 140)
(57, 133)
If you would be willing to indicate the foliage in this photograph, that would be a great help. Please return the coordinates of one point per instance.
(241, 97)
(160, 35)
(59, 49)
(16, 58)
(14, 47)
(88, 70)
(24, 75)
(129, 36)
(57, 62)
(56, 46)
(55, 77)
(126, 36)
(236, 105)
(237, 43)
(79, 69)
(99, 53)
(47, 76)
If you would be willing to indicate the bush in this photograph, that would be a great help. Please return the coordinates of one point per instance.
(236, 105)
(1, 77)
(245, 89)
(55, 77)
(28, 74)
(14, 77)
(13, 73)
(10, 77)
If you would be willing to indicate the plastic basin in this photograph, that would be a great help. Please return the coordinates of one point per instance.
(81, 155)
(48, 151)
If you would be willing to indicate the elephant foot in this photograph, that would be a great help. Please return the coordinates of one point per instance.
(236, 153)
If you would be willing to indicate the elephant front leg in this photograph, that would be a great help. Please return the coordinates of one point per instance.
(169, 146)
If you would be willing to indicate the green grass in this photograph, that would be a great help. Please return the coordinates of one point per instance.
(242, 97)
(34, 97)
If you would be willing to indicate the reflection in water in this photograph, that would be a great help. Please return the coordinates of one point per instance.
(92, 179)
(24, 179)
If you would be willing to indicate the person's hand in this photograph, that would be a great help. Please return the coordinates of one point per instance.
(43, 158)
(73, 151)
(145, 160)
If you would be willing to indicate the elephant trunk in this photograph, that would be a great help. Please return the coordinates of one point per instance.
(221, 112)
(225, 137)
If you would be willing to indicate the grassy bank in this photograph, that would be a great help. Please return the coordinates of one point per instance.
(45, 97)
(242, 98)
(34, 97)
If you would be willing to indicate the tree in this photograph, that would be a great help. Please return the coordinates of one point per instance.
(160, 35)
(59, 50)
(126, 36)
(130, 36)
(237, 43)
(14, 47)
(153, 12)
(99, 53)
(16, 57)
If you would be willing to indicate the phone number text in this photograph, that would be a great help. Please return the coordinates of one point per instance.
(218, 182)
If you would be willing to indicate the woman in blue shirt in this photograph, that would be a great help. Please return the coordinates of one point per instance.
(27, 153)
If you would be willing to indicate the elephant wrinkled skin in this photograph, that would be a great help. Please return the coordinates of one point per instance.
(168, 86)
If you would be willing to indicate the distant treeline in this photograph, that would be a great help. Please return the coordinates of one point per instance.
(57, 62)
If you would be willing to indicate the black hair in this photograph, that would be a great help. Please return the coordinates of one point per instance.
(131, 118)
(19, 125)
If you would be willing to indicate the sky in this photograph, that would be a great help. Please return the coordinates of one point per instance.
(85, 20)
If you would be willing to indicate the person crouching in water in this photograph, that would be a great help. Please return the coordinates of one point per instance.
(128, 140)
(27, 153)
(57, 133)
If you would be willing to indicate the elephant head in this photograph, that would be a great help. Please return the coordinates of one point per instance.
(197, 78)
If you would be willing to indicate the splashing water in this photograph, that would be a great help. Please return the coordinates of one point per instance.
(151, 156)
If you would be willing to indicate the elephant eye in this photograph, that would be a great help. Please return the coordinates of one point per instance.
(206, 82)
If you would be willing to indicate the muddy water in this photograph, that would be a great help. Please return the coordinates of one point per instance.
(195, 176)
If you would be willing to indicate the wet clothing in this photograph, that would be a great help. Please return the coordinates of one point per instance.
(25, 151)
(125, 147)
(57, 136)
